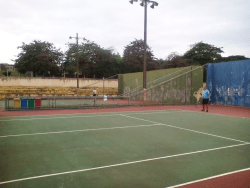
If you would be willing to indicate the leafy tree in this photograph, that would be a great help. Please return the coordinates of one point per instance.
(234, 58)
(39, 57)
(202, 53)
(175, 60)
(93, 60)
(112, 67)
(90, 57)
(159, 62)
(133, 56)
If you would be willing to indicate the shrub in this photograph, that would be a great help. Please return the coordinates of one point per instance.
(5, 73)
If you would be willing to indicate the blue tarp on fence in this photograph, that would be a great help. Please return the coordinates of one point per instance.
(229, 83)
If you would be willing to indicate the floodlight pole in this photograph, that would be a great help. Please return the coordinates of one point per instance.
(77, 61)
(145, 55)
(145, 4)
(77, 58)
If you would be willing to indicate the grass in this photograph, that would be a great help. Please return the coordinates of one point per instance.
(14, 74)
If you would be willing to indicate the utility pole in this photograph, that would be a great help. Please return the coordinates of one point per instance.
(77, 58)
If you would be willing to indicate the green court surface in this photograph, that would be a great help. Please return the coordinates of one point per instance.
(2, 104)
(128, 149)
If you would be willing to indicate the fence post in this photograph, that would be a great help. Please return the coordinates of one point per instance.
(5, 103)
(191, 97)
(103, 86)
(186, 89)
(95, 101)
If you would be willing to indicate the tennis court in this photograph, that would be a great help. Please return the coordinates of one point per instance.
(164, 148)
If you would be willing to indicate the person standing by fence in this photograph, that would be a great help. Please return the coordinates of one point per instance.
(94, 93)
(205, 95)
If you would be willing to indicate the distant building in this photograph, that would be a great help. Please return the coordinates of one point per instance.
(6, 66)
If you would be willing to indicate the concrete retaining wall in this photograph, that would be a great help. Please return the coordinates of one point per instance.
(57, 82)
(180, 85)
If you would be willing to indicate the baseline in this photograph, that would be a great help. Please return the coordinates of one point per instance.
(211, 113)
(106, 115)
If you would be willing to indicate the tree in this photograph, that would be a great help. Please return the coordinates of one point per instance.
(133, 56)
(202, 53)
(94, 61)
(234, 58)
(174, 60)
(90, 55)
(112, 67)
(39, 57)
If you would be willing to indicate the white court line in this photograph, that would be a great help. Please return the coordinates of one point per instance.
(212, 177)
(187, 129)
(106, 115)
(85, 130)
(59, 117)
(211, 113)
(206, 133)
(139, 119)
(98, 113)
(120, 164)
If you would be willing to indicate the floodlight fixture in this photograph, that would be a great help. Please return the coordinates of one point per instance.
(142, 4)
(70, 38)
(131, 1)
(152, 6)
(156, 4)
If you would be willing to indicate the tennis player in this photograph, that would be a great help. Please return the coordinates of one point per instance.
(206, 95)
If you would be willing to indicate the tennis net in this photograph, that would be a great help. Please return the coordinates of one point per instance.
(47, 103)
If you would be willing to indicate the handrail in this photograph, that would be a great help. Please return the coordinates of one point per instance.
(98, 81)
(148, 84)
(140, 92)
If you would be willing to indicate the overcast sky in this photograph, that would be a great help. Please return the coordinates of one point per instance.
(172, 26)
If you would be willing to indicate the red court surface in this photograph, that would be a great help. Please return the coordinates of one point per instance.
(231, 180)
(213, 109)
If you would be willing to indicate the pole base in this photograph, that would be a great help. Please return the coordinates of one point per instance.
(144, 95)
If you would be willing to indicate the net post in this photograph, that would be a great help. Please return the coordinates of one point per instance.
(95, 101)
